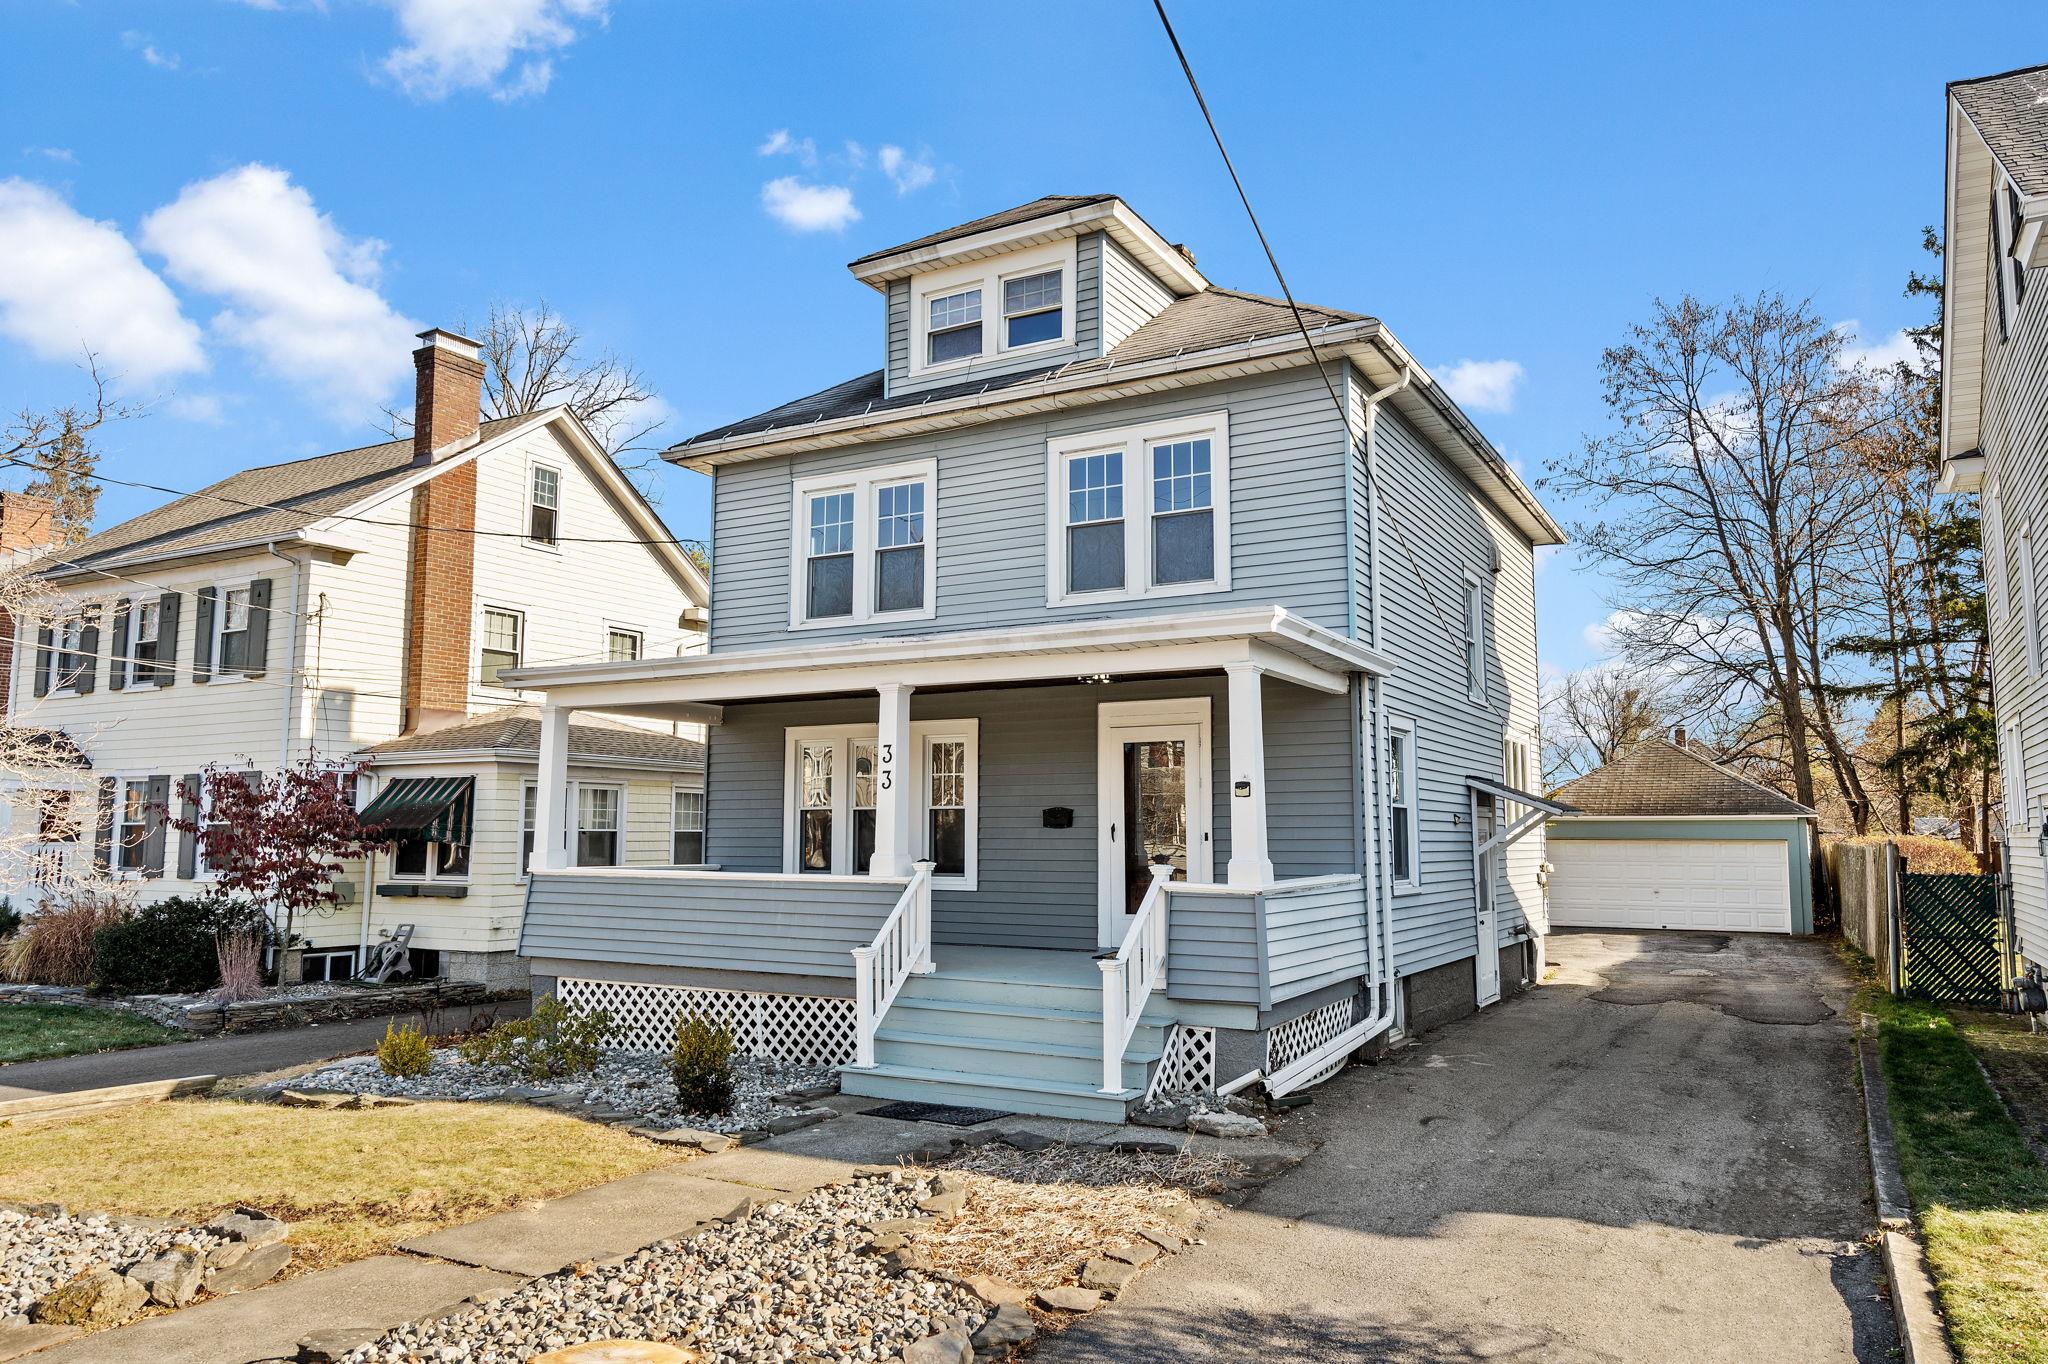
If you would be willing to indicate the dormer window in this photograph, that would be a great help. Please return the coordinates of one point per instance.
(954, 332)
(1031, 309)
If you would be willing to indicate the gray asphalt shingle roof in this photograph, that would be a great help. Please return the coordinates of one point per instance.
(1205, 321)
(293, 496)
(516, 733)
(1657, 777)
(1041, 207)
(2010, 111)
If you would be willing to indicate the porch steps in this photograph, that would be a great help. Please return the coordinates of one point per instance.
(1011, 1029)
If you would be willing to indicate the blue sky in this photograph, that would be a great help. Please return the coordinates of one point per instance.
(246, 206)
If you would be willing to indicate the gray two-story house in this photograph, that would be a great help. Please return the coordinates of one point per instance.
(1127, 686)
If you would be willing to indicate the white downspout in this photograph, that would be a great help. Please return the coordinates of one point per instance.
(1383, 999)
(291, 657)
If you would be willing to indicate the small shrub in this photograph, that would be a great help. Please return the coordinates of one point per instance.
(10, 917)
(1926, 853)
(240, 957)
(404, 1052)
(701, 1065)
(168, 947)
(55, 944)
(556, 1040)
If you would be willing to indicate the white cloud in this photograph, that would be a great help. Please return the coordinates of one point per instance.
(63, 154)
(500, 46)
(908, 173)
(205, 409)
(856, 155)
(72, 284)
(809, 208)
(780, 143)
(1883, 354)
(140, 44)
(1483, 385)
(300, 296)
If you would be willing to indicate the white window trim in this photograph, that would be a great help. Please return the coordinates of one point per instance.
(862, 484)
(1412, 882)
(2029, 600)
(161, 668)
(614, 628)
(477, 645)
(216, 674)
(79, 615)
(122, 781)
(923, 733)
(1475, 638)
(433, 874)
(703, 829)
(1992, 552)
(1134, 441)
(988, 276)
(526, 506)
(576, 790)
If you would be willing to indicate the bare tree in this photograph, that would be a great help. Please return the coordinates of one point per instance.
(56, 448)
(1725, 502)
(1592, 716)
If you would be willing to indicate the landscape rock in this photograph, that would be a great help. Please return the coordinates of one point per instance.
(1236, 1125)
(1108, 1276)
(172, 1278)
(251, 1228)
(1010, 1326)
(98, 1297)
(1166, 1240)
(950, 1346)
(947, 1204)
(304, 1098)
(325, 1347)
(1069, 1299)
(905, 1259)
(1137, 1253)
(1029, 1142)
(260, 1266)
(996, 1292)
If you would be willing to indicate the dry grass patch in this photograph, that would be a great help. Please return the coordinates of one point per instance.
(351, 1182)
(1033, 1217)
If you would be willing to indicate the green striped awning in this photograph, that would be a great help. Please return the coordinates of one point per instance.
(438, 809)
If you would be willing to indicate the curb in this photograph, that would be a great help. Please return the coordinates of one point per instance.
(1922, 1337)
(56, 1107)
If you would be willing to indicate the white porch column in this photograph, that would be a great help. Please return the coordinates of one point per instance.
(1250, 863)
(551, 816)
(895, 773)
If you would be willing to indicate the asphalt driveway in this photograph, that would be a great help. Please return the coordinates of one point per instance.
(1657, 1156)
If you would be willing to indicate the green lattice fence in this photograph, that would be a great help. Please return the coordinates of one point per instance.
(1952, 938)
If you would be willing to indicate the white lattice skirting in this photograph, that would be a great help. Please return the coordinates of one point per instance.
(802, 1029)
(1188, 1065)
(1297, 1037)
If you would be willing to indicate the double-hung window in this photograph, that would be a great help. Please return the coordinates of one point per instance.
(1475, 639)
(529, 816)
(1031, 309)
(70, 658)
(503, 639)
(1402, 826)
(953, 327)
(687, 827)
(1142, 511)
(131, 826)
(621, 645)
(600, 812)
(235, 616)
(2029, 598)
(145, 641)
(863, 546)
(834, 784)
(544, 505)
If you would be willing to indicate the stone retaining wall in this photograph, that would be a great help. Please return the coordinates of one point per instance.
(290, 1010)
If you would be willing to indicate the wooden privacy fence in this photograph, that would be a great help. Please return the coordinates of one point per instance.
(1937, 936)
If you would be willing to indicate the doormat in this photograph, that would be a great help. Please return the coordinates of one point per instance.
(949, 1114)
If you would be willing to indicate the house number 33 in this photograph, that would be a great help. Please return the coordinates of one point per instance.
(888, 774)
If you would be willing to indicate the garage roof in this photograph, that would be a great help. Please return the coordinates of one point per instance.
(1658, 777)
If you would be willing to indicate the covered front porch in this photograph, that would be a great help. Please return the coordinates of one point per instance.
(1019, 863)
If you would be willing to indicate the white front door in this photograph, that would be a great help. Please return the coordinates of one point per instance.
(1486, 875)
(1152, 802)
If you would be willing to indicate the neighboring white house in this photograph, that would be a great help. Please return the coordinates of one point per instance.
(1994, 434)
(1101, 694)
(361, 606)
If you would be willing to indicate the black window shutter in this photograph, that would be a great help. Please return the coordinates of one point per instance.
(45, 637)
(202, 635)
(103, 832)
(117, 651)
(165, 670)
(89, 647)
(155, 821)
(188, 811)
(256, 653)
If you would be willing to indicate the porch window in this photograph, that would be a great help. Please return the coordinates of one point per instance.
(687, 828)
(598, 810)
(419, 859)
(863, 546)
(816, 760)
(1165, 533)
(502, 642)
(1401, 822)
(529, 818)
(544, 505)
(830, 824)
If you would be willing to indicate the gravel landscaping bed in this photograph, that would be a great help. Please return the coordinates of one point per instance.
(807, 1280)
(96, 1269)
(767, 1094)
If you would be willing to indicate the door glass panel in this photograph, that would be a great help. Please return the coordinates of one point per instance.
(814, 811)
(863, 807)
(1155, 814)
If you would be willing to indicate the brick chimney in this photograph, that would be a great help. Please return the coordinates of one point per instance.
(441, 570)
(27, 524)
(1678, 736)
(448, 391)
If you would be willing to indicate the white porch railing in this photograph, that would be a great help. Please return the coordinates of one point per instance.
(901, 950)
(1130, 977)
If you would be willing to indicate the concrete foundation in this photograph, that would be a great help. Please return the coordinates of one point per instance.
(494, 970)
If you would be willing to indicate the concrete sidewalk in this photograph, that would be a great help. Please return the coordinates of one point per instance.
(242, 1054)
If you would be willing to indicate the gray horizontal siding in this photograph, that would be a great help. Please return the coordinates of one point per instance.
(1131, 297)
(1287, 491)
(1314, 938)
(1264, 948)
(1087, 338)
(705, 922)
(1212, 948)
(1036, 886)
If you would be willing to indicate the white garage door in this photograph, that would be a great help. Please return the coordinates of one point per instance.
(1734, 887)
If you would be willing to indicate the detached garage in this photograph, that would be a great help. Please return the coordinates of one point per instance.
(1664, 838)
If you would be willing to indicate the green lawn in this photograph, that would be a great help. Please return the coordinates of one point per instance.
(30, 1032)
(1980, 1193)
